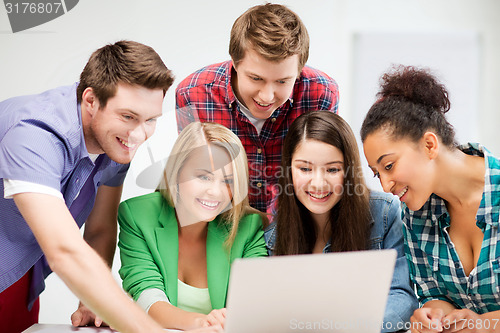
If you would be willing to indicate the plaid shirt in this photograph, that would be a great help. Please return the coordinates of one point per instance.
(435, 267)
(207, 96)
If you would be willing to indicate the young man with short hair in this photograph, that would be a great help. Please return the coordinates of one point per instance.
(63, 157)
(259, 93)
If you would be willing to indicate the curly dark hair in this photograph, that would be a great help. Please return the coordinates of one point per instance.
(411, 102)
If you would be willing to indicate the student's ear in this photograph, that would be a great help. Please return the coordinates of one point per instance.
(235, 65)
(431, 144)
(90, 103)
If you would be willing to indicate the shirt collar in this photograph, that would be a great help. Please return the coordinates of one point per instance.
(489, 209)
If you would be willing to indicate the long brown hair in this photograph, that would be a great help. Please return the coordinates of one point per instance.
(350, 218)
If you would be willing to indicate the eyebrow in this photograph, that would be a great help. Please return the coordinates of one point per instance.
(138, 115)
(211, 172)
(382, 156)
(282, 79)
(304, 161)
(204, 170)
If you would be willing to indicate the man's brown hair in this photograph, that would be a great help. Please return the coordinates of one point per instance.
(273, 31)
(126, 62)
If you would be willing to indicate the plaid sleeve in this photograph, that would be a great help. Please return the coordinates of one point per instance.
(329, 100)
(421, 270)
(183, 110)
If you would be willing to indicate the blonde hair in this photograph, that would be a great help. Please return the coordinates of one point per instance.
(273, 31)
(197, 135)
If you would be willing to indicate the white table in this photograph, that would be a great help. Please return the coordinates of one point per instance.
(57, 328)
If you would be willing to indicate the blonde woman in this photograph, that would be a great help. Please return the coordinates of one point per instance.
(177, 244)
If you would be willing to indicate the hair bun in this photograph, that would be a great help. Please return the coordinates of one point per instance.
(416, 85)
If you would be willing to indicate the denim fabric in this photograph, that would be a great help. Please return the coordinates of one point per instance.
(386, 233)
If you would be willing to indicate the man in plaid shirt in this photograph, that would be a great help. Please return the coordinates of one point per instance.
(260, 92)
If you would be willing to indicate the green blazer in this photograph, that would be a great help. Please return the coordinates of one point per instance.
(149, 248)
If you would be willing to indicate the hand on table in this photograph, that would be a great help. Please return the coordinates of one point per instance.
(427, 320)
(214, 318)
(83, 317)
(465, 321)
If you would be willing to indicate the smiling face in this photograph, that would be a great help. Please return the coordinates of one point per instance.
(204, 185)
(263, 85)
(402, 166)
(318, 176)
(127, 120)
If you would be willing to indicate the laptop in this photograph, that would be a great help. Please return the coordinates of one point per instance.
(333, 292)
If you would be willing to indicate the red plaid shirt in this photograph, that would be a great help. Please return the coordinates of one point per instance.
(207, 96)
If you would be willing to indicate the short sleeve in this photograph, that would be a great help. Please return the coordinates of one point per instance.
(30, 151)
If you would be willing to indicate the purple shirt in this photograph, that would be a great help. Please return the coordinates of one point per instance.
(41, 141)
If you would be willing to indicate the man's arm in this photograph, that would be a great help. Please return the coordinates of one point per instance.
(100, 233)
(80, 267)
(101, 225)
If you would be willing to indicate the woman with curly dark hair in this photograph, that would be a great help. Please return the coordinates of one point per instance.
(451, 202)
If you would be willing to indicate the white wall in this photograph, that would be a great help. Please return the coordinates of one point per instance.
(191, 34)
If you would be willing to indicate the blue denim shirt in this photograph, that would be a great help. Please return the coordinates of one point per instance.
(386, 233)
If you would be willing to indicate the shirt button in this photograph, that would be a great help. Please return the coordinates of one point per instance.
(259, 151)
(259, 184)
(273, 120)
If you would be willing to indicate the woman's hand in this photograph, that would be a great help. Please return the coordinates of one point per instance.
(214, 318)
(427, 320)
(466, 321)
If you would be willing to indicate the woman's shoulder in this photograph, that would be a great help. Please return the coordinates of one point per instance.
(252, 220)
(147, 204)
(150, 199)
(381, 201)
(385, 208)
(382, 196)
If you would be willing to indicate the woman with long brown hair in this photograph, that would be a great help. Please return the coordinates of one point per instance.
(325, 206)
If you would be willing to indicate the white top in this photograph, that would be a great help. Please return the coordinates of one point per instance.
(193, 299)
(258, 123)
(189, 298)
